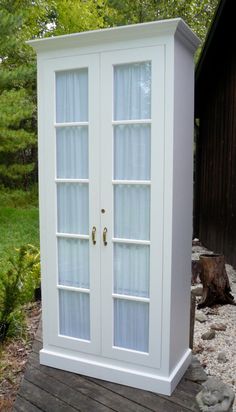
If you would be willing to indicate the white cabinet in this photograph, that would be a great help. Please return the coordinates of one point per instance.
(115, 166)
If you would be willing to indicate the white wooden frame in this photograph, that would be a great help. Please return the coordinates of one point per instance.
(48, 174)
(175, 44)
(108, 60)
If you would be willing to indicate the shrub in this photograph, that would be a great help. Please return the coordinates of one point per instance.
(17, 285)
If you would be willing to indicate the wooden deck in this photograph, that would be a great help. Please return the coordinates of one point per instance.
(52, 390)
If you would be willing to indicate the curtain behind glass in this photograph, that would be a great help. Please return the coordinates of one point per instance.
(74, 314)
(132, 212)
(72, 152)
(131, 269)
(72, 96)
(132, 91)
(73, 262)
(132, 152)
(72, 208)
(131, 324)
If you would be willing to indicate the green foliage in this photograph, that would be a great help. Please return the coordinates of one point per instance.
(196, 13)
(75, 16)
(18, 226)
(18, 198)
(17, 283)
(19, 20)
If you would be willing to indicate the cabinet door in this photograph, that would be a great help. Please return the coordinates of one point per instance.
(69, 202)
(132, 135)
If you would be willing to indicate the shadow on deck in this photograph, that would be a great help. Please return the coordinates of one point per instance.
(52, 390)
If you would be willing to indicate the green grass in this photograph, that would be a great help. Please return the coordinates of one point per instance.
(19, 225)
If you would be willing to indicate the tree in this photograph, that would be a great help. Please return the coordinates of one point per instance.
(197, 13)
(78, 15)
(23, 19)
(18, 152)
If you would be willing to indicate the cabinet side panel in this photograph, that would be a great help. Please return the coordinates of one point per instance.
(47, 210)
(182, 202)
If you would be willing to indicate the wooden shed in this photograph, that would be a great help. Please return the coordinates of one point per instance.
(215, 178)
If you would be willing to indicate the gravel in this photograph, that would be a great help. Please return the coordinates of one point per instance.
(218, 355)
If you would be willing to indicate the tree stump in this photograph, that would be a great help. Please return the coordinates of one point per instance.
(216, 288)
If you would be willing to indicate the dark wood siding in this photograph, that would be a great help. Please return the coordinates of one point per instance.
(215, 195)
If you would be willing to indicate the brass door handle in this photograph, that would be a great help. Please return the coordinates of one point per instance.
(104, 236)
(94, 235)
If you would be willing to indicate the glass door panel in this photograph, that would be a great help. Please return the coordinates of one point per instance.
(131, 325)
(73, 262)
(72, 204)
(132, 211)
(132, 91)
(132, 144)
(72, 152)
(131, 269)
(132, 165)
(72, 142)
(74, 312)
(72, 96)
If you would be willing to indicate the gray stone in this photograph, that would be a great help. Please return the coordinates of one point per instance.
(195, 371)
(200, 317)
(222, 358)
(209, 335)
(197, 291)
(215, 396)
(218, 326)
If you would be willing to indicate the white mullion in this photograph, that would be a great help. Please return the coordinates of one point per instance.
(71, 180)
(131, 241)
(73, 289)
(72, 236)
(137, 121)
(131, 182)
(70, 124)
(131, 298)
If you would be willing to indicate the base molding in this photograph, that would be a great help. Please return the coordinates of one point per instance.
(153, 382)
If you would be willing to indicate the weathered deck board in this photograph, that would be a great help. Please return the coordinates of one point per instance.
(48, 390)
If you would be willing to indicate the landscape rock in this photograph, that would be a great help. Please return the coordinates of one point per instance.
(195, 372)
(197, 291)
(209, 335)
(200, 317)
(215, 396)
(212, 311)
(222, 358)
(218, 326)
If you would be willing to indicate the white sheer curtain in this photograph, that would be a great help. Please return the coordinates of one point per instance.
(131, 325)
(131, 269)
(132, 91)
(72, 152)
(72, 96)
(132, 212)
(74, 314)
(72, 208)
(132, 161)
(73, 262)
(73, 202)
(132, 150)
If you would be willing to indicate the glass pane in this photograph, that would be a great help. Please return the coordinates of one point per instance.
(72, 96)
(132, 152)
(132, 212)
(132, 91)
(72, 208)
(131, 269)
(72, 152)
(73, 262)
(74, 314)
(131, 325)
